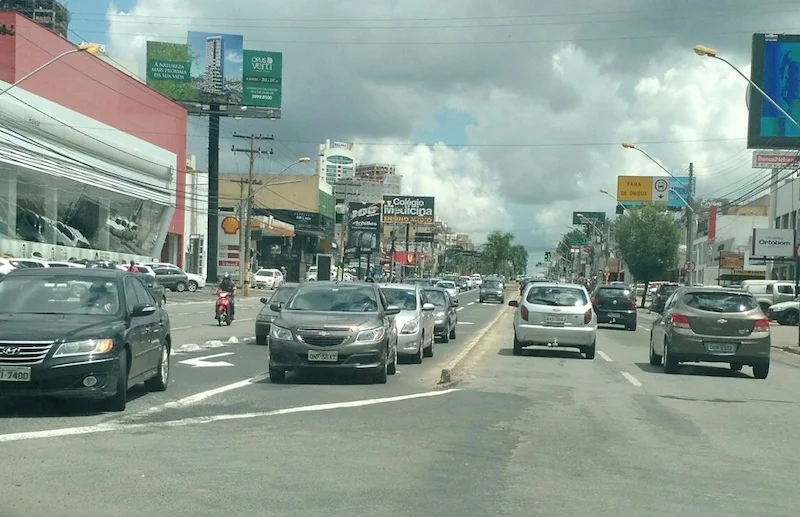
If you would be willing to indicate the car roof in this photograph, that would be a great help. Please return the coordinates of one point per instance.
(293, 285)
(434, 288)
(558, 284)
(716, 290)
(614, 286)
(399, 286)
(70, 271)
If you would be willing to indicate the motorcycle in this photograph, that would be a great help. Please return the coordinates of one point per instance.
(223, 308)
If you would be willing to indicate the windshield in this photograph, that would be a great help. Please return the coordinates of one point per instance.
(437, 298)
(492, 284)
(406, 299)
(720, 302)
(325, 297)
(58, 294)
(282, 295)
(666, 290)
(263, 272)
(614, 294)
(446, 285)
(557, 296)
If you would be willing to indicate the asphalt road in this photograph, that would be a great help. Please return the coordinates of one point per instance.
(548, 433)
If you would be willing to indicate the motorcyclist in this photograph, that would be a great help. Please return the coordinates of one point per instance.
(229, 287)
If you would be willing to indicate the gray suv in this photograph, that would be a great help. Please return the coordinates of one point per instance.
(492, 289)
(334, 326)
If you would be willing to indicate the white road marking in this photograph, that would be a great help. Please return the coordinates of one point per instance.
(182, 328)
(460, 309)
(605, 356)
(471, 303)
(203, 362)
(116, 426)
(465, 323)
(633, 380)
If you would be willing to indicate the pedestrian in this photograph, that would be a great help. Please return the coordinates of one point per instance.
(133, 268)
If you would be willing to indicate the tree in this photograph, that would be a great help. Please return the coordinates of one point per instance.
(519, 259)
(648, 241)
(501, 255)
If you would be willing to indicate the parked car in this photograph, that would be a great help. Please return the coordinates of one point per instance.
(193, 281)
(332, 325)
(415, 322)
(785, 313)
(158, 291)
(172, 278)
(615, 304)
(711, 325)
(555, 315)
(446, 315)
(95, 345)
(266, 315)
(492, 289)
(267, 279)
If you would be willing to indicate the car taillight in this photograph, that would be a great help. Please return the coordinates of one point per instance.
(761, 325)
(587, 317)
(523, 312)
(680, 321)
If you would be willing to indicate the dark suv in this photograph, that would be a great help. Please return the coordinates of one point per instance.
(615, 304)
(663, 292)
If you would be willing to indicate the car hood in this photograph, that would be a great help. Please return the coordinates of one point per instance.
(404, 317)
(49, 327)
(354, 320)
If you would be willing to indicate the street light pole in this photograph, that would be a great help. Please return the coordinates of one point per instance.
(89, 48)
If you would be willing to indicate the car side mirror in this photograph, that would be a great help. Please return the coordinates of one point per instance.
(143, 309)
(276, 307)
(263, 300)
(513, 303)
(428, 307)
(392, 310)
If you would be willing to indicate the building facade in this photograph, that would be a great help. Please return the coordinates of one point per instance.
(336, 161)
(787, 209)
(84, 172)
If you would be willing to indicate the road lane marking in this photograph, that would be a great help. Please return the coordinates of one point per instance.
(117, 426)
(182, 328)
(471, 303)
(460, 309)
(633, 380)
(605, 356)
(203, 362)
(465, 323)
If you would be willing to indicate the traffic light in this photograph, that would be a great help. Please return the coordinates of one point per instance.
(547, 256)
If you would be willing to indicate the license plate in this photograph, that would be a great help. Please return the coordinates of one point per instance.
(325, 357)
(721, 348)
(555, 320)
(614, 315)
(15, 374)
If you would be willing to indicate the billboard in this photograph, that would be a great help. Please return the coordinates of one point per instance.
(408, 209)
(775, 159)
(772, 243)
(363, 228)
(215, 68)
(775, 68)
(643, 190)
(587, 217)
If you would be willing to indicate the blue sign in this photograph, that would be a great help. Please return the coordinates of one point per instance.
(677, 187)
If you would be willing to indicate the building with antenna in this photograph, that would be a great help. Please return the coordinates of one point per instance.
(49, 14)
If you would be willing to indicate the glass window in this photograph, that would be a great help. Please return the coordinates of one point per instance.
(609, 294)
(62, 294)
(720, 302)
(438, 298)
(282, 295)
(559, 296)
(785, 289)
(492, 284)
(264, 272)
(143, 295)
(446, 285)
(666, 290)
(314, 296)
(131, 299)
(406, 299)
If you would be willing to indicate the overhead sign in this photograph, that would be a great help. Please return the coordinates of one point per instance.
(585, 217)
(654, 189)
(775, 159)
(772, 243)
(635, 188)
(660, 189)
(408, 209)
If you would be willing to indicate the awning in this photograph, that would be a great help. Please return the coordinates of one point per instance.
(60, 161)
(271, 227)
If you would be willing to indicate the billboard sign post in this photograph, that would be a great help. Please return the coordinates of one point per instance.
(408, 209)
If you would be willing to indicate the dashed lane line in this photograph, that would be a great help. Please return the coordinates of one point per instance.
(605, 356)
(630, 378)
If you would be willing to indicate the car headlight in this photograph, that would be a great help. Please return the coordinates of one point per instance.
(371, 335)
(281, 333)
(411, 327)
(266, 317)
(440, 316)
(85, 347)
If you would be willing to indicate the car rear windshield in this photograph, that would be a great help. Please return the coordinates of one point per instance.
(446, 285)
(492, 284)
(324, 297)
(560, 296)
(667, 289)
(406, 299)
(437, 298)
(720, 302)
(611, 293)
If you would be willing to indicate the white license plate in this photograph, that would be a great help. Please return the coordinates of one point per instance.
(555, 320)
(614, 315)
(721, 348)
(324, 357)
(15, 374)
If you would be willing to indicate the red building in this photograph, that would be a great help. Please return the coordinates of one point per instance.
(92, 161)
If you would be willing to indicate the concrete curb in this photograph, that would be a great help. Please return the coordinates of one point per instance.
(787, 349)
(447, 374)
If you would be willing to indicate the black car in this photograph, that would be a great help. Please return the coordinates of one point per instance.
(81, 333)
(266, 316)
(172, 278)
(158, 291)
(615, 304)
(446, 317)
(492, 289)
(661, 295)
(334, 325)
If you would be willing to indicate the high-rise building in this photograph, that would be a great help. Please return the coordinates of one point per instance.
(49, 14)
(215, 64)
(375, 171)
(336, 161)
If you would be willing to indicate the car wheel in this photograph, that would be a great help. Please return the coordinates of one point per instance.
(276, 375)
(161, 379)
(671, 365)
(590, 351)
(261, 340)
(180, 287)
(119, 400)
(393, 365)
(429, 349)
(381, 374)
(192, 286)
(791, 318)
(517, 345)
(761, 370)
(453, 332)
(655, 359)
(421, 352)
(631, 327)
(445, 337)
(480, 300)
(163, 301)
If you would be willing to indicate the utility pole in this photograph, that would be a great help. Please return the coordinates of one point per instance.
(246, 209)
(689, 223)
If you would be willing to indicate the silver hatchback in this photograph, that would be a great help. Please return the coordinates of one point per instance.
(555, 315)
(416, 321)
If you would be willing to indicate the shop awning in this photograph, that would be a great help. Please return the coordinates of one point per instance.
(271, 227)
(34, 153)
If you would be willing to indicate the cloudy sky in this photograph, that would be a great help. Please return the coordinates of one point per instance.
(510, 112)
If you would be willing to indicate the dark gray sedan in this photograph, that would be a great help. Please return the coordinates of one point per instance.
(334, 326)
(266, 316)
(492, 289)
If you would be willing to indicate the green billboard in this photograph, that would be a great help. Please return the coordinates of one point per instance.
(261, 78)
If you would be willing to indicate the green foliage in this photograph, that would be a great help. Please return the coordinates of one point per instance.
(501, 256)
(648, 241)
(174, 52)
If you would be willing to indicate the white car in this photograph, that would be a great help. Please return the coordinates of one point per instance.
(267, 279)
(450, 287)
(555, 315)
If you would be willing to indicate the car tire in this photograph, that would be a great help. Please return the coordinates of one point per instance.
(453, 332)
(790, 318)
(392, 369)
(119, 401)
(655, 359)
(163, 301)
(517, 345)
(428, 352)
(631, 327)
(671, 365)
(736, 367)
(161, 380)
(276, 375)
(421, 352)
(445, 337)
(381, 374)
(761, 370)
(192, 286)
(480, 300)
(590, 351)
(180, 287)
(261, 340)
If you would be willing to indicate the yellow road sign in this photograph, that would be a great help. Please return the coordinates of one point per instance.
(635, 188)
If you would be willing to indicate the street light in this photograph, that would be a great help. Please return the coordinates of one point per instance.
(89, 48)
(628, 145)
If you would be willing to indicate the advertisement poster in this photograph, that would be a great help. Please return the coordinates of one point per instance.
(363, 228)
